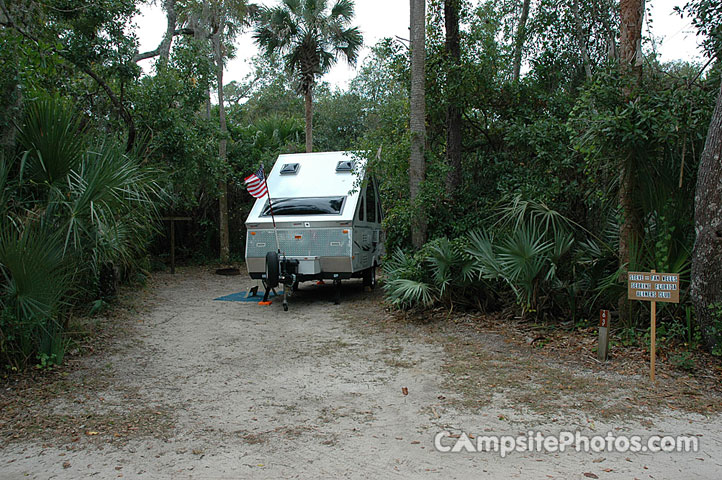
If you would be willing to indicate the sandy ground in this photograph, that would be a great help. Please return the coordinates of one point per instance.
(208, 389)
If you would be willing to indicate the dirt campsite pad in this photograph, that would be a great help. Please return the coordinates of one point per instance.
(190, 387)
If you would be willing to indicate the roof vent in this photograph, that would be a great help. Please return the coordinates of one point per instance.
(345, 166)
(289, 169)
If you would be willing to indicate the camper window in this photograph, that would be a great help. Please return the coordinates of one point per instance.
(371, 203)
(305, 206)
(361, 210)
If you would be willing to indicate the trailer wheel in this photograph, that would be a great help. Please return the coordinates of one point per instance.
(369, 278)
(271, 270)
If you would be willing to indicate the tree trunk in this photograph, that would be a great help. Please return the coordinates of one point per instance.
(581, 39)
(172, 16)
(417, 164)
(11, 103)
(308, 104)
(453, 111)
(630, 38)
(706, 285)
(200, 34)
(222, 183)
(519, 41)
(630, 50)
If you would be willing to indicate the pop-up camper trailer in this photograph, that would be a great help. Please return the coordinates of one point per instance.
(328, 223)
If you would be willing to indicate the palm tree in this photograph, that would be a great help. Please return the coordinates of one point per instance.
(219, 21)
(226, 19)
(311, 39)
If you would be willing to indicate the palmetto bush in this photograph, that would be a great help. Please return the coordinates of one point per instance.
(70, 209)
(407, 284)
(530, 256)
(440, 272)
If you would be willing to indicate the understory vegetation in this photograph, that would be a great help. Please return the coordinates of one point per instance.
(77, 214)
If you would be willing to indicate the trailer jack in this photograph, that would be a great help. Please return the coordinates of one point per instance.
(280, 271)
(337, 291)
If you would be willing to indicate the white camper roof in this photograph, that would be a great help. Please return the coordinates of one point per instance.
(316, 177)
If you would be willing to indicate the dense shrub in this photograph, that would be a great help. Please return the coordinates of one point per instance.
(75, 214)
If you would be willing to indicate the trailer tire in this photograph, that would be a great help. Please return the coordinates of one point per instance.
(271, 270)
(369, 278)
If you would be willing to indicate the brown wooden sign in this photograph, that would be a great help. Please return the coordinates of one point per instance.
(653, 287)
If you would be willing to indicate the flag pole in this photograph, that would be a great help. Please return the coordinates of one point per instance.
(270, 206)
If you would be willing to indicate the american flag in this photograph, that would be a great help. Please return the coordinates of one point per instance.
(256, 183)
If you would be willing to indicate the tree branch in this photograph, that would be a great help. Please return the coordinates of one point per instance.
(125, 115)
(154, 53)
(143, 56)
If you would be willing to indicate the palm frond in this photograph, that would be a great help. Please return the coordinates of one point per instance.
(343, 9)
(519, 211)
(51, 133)
(443, 259)
(485, 259)
(309, 38)
(404, 293)
(35, 274)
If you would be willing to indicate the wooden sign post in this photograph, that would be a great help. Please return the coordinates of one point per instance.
(653, 287)
(172, 238)
(603, 335)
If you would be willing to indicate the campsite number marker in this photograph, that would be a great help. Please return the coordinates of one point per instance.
(653, 287)
(603, 335)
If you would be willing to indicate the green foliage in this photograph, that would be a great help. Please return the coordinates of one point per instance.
(35, 279)
(659, 129)
(524, 259)
(277, 133)
(405, 293)
(52, 136)
(310, 36)
(72, 208)
(173, 132)
(403, 285)
(437, 273)
(268, 90)
(340, 121)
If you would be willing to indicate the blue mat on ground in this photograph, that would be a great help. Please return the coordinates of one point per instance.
(241, 297)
